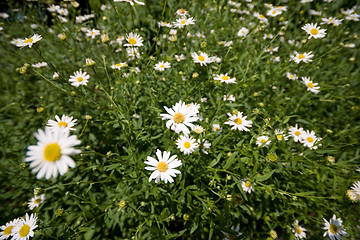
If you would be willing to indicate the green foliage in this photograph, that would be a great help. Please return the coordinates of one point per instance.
(108, 194)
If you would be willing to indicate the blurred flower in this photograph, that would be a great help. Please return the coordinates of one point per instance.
(29, 41)
(132, 2)
(243, 32)
(55, 75)
(291, 76)
(182, 22)
(280, 135)
(39, 64)
(89, 62)
(163, 168)
(92, 33)
(246, 186)
(334, 228)
(314, 31)
(119, 65)
(298, 230)
(296, 132)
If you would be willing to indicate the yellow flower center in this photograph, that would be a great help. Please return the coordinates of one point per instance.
(62, 124)
(238, 121)
(162, 66)
(182, 21)
(279, 137)
(118, 65)
(52, 152)
(309, 139)
(225, 78)
(310, 85)
(164, 23)
(179, 118)
(291, 76)
(297, 133)
(261, 16)
(181, 11)
(24, 230)
(298, 230)
(262, 140)
(201, 58)
(273, 12)
(247, 184)
(333, 229)
(314, 31)
(162, 166)
(216, 128)
(79, 79)
(186, 144)
(7, 230)
(37, 201)
(29, 40)
(132, 41)
(242, 31)
(301, 56)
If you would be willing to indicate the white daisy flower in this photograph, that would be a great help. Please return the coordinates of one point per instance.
(162, 65)
(186, 144)
(309, 139)
(55, 75)
(39, 65)
(280, 135)
(164, 24)
(311, 86)
(25, 228)
(29, 41)
(204, 145)
(349, 45)
(314, 31)
(334, 228)
(201, 58)
(133, 52)
(52, 153)
(243, 32)
(92, 33)
(238, 121)
(181, 12)
(182, 22)
(132, 2)
(305, 57)
(331, 20)
(268, 36)
(246, 186)
(353, 17)
(296, 133)
(198, 129)
(164, 167)
(180, 57)
(216, 127)
(79, 78)
(261, 17)
(271, 50)
(133, 40)
(224, 78)
(180, 117)
(355, 189)
(120, 39)
(16, 41)
(291, 76)
(65, 123)
(230, 98)
(62, 11)
(274, 12)
(36, 201)
(263, 141)
(298, 230)
(119, 65)
(8, 228)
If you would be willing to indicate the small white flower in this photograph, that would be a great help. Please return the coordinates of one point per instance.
(118, 66)
(39, 65)
(36, 201)
(246, 186)
(66, 123)
(291, 76)
(296, 133)
(133, 40)
(298, 230)
(29, 41)
(162, 65)
(311, 86)
(230, 98)
(224, 78)
(305, 57)
(8, 228)
(180, 57)
(201, 58)
(334, 228)
(280, 135)
(55, 75)
(309, 139)
(79, 78)
(216, 127)
(243, 32)
(92, 33)
(132, 2)
(198, 129)
(238, 121)
(314, 31)
(263, 141)
(186, 144)
(182, 22)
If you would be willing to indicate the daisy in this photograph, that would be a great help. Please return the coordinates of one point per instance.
(25, 228)
(120, 39)
(180, 57)
(198, 129)
(314, 31)
(263, 141)
(186, 144)
(261, 17)
(298, 230)
(133, 52)
(349, 45)
(356, 189)
(305, 57)
(79, 78)
(36, 201)
(181, 12)
(331, 20)
(8, 229)
(246, 186)
(353, 17)
(296, 133)
(334, 228)
(274, 12)
(238, 121)
(180, 117)
(39, 65)
(268, 36)
(164, 24)
(162, 65)
(204, 145)
(29, 41)
(16, 41)
(133, 40)
(55, 75)
(65, 123)
(309, 139)
(280, 135)
(291, 76)
(201, 58)
(230, 98)
(224, 78)
(216, 128)
(164, 167)
(52, 152)
(182, 22)
(243, 32)
(311, 86)
(132, 2)
(119, 65)
(92, 33)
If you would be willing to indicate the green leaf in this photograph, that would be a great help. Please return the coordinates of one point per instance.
(230, 160)
(265, 176)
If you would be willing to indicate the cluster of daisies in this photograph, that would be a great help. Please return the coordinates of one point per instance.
(19, 228)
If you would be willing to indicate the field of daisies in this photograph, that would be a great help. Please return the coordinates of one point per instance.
(166, 119)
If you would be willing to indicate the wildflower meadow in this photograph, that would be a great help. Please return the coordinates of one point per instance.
(191, 119)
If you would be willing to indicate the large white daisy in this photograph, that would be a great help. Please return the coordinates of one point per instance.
(314, 31)
(52, 153)
(164, 167)
(25, 227)
(186, 144)
(8, 228)
(180, 117)
(334, 228)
